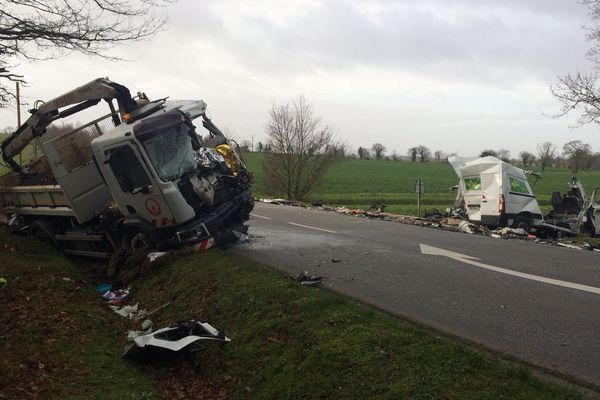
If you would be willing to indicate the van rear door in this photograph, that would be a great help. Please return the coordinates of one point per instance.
(490, 212)
(472, 197)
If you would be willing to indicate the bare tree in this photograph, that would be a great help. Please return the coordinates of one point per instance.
(378, 150)
(526, 157)
(35, 30)
(577, 153)
(439, 156)
(488, 152)
(412, 152)
(424, 153)
(395, 156)
(580, 91)
(546, 152)
(363, 153)
(504, 155)
(302, 148)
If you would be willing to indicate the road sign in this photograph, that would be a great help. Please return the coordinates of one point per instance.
(420, 189)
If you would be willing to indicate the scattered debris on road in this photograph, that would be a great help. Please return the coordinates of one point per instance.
(456, 220)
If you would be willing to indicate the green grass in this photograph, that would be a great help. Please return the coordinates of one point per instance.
(355, 183)
(291, 341)
(288, 341)
(57, 339)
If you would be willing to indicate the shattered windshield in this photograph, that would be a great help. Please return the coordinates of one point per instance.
(170, 152)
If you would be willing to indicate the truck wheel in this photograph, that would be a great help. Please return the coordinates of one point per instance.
(136, 240)
(44, 231)
(522, 222)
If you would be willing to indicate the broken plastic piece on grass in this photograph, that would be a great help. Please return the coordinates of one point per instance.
(306, 279)
(116, 297)
(177, 337)
(147, 328)
(3, 280)
(147, 324)
(155, 254)
(126, 311)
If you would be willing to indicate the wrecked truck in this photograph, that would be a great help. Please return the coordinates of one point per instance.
(139, 175)
(495, 193)
(575, 210)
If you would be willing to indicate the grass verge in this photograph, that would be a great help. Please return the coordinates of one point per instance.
(291, 341)
(288, 341)
(57, 339)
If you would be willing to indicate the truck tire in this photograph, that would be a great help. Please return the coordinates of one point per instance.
(44, 231)
(136, 240)
(523, 222)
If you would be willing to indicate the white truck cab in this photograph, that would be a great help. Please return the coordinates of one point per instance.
(128, 179)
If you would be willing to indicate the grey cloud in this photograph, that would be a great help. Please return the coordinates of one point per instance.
(494, 43)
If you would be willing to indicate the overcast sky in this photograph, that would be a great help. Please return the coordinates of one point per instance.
(455, 76)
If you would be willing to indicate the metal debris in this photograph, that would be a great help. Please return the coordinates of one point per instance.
(306, 279)
(182, 335)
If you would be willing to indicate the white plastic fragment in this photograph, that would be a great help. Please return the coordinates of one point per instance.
(155, 255)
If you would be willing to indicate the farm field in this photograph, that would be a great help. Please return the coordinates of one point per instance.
(361, 183)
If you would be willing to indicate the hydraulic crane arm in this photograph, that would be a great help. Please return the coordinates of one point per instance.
(83, 97)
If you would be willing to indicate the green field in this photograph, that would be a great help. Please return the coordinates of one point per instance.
(360, 183)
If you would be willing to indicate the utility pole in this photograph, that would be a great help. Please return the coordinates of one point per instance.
(253, 143)
(19, 118)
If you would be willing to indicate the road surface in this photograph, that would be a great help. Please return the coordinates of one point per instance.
(537, 303)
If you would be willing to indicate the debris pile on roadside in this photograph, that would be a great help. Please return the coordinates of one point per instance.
(454, 220)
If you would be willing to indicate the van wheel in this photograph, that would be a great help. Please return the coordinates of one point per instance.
(136, 240)
(522, 222)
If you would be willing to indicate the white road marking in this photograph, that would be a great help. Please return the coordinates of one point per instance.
(312, 227)
(434, 251)
(260, 216)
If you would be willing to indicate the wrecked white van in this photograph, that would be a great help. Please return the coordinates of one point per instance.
(495, 193)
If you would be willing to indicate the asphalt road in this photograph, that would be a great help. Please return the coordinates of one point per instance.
(537, 303)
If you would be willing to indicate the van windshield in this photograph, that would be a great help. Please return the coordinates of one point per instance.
(170, 152)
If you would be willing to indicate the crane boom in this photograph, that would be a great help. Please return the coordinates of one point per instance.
(83, 97)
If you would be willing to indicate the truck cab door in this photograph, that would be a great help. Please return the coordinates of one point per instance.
(135, 189)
